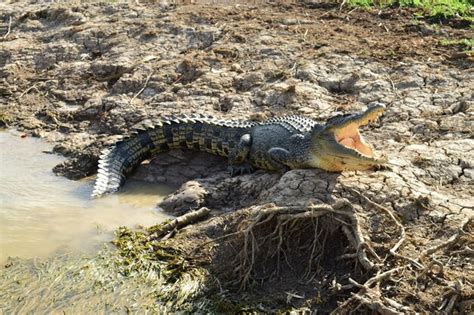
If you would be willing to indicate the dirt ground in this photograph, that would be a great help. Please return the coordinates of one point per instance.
(80, 74)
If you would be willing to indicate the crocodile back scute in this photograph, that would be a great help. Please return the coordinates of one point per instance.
(293, 123)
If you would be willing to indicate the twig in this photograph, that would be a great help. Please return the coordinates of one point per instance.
(382, 276)
(452, 240)
(27, 90)
(9, 27)
(376, 306)
(455, 290)
(142, 89)
(392, 216)
(342, 4)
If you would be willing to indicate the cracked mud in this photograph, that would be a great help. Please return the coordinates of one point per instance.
(81, 75)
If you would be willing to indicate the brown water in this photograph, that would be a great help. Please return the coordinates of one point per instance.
(41, 213)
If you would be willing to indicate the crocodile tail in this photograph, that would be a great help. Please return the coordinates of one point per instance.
(199, 132)
(119, 160)
(145, 139)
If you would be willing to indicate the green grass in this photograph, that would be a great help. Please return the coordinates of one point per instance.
(465, 43)
(430, 8)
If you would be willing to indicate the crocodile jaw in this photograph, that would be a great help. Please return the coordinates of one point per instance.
(340, 146)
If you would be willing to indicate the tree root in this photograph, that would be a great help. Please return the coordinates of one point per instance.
(287, 224)
(369, 294)
(371, 297)
(272, 236)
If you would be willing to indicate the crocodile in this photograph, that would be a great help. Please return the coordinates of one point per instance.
(277, 144)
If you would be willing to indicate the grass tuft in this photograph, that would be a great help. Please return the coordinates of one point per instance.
(465, 43)
(429, 8)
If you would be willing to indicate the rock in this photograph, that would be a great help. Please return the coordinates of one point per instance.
(248, 80)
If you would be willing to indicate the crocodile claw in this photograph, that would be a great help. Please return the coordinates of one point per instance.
(236, 170)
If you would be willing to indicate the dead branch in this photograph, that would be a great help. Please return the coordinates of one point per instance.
(369, 296)
(454, 292)
(180, 222)
(376, 305)
(451, 241)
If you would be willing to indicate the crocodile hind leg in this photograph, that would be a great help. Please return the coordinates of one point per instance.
(238, 156)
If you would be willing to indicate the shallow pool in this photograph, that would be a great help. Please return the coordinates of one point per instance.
(41, 213)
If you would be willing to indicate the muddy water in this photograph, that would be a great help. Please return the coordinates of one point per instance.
(41, 213)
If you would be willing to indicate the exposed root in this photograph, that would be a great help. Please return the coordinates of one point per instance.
(392, 216)
(371, 296)
(291, 224)
(286, 245)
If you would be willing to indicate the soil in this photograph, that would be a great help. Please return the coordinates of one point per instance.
(81, 74)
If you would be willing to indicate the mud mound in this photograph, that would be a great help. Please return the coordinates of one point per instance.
(334, 258)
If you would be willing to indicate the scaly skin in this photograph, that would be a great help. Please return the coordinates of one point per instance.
(281, 143)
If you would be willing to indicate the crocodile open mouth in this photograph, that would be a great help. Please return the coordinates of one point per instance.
(349, 135)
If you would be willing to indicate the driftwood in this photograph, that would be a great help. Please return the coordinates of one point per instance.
(166, 230)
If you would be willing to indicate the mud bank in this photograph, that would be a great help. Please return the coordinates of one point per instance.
(78, 75)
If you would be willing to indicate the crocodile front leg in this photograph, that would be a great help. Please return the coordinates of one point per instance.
(239, 155)
(280, 159)
(290, 158)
